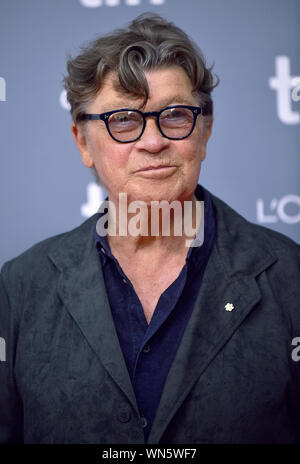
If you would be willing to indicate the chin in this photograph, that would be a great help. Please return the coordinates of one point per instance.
(156, 194)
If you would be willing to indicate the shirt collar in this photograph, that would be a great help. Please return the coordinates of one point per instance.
(206, 233)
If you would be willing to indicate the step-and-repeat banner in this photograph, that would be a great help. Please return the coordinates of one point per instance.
(253, 159)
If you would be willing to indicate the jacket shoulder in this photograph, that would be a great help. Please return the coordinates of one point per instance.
(248, 249)
(35, 259)
(251, 233)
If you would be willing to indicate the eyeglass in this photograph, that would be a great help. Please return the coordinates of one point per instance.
(127, 125)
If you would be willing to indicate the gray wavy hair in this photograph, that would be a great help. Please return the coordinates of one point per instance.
(149, 42)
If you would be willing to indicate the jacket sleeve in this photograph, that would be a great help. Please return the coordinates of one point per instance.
(11, 413)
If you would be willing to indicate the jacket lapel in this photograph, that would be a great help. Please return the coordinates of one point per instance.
(81, 288)
(229, 278)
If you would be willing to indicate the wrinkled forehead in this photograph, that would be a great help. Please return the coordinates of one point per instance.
(178, 89)
(122, 93)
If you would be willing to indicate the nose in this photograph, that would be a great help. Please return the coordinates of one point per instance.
(152, 140)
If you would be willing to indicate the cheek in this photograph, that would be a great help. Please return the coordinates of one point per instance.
(192, 154)
(111, 160)
(196, 148)
(105, 151)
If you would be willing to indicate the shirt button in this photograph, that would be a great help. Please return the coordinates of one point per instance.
(124, 414)
(125, 281)
(146, 349)
(143, 422)
(102, 249)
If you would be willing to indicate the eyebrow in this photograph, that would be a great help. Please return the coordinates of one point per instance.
(177, 99)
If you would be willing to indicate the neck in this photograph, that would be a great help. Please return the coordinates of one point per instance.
(155, 227)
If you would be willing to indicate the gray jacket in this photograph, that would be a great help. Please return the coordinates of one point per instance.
(233, 380)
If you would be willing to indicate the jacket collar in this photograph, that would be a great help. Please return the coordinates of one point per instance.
(240, 253)
(81, 288)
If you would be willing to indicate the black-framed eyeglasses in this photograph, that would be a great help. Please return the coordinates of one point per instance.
(127, 125)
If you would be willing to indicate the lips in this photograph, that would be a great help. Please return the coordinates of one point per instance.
(152, 167)
(159, 171)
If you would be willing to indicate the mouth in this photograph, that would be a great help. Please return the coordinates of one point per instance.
(156, 168)
(157, 171)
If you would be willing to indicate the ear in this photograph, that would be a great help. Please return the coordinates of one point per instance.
(81, 142)
(207, 129)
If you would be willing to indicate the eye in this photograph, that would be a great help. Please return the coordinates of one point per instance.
(175, 117)
(124, 120)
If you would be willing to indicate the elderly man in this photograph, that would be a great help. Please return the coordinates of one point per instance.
(119, 337)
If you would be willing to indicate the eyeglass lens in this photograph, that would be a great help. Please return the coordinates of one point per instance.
(174, 123)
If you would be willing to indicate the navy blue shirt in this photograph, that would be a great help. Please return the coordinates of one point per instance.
(149, 349)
